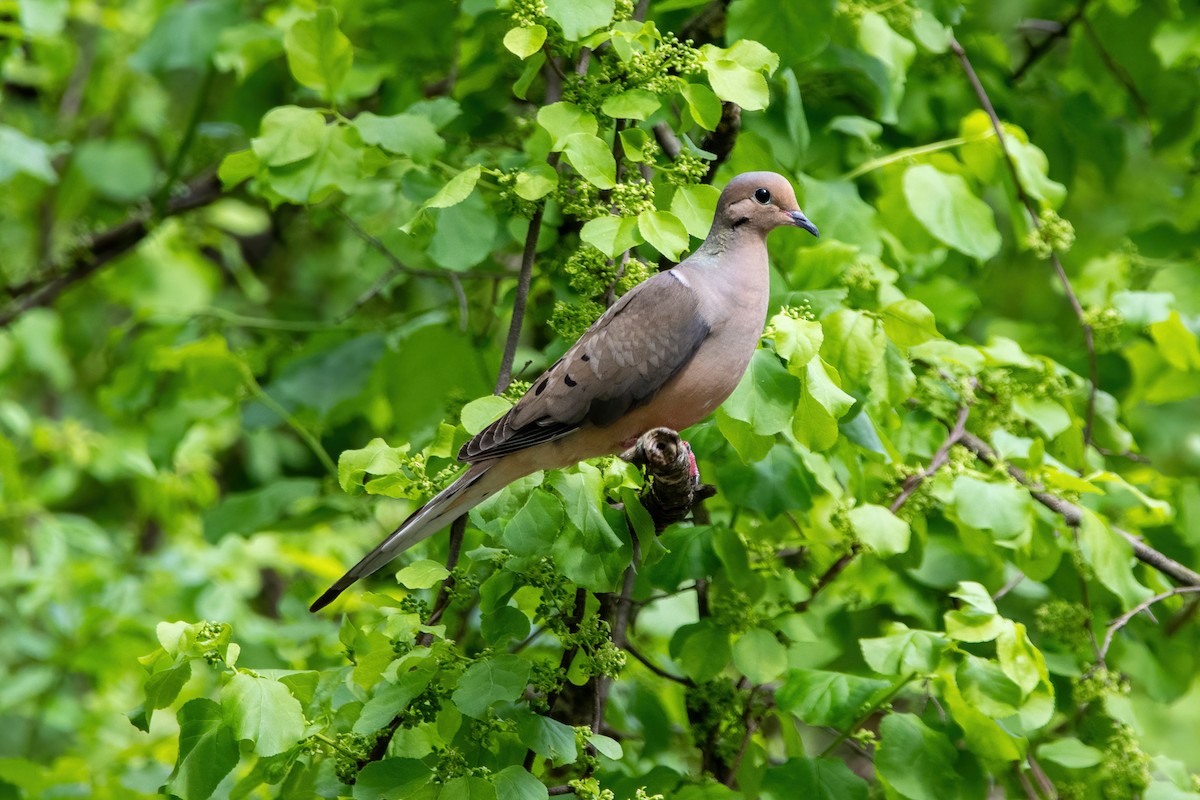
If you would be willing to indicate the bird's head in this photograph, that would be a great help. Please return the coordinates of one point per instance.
(761, 201)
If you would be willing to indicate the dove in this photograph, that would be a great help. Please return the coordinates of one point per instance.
(666, 354)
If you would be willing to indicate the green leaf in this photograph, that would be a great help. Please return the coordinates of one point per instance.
(336, 165)
(524, 42)
(985, 686)
(912, 651)
(611, 235)
(1002, 508)
(235, 168)
(877, 39)
(497, 679)
(184, 37)
(423, 574)
(797, 341)
(119, 169)
(704, 105)
(390, 699)
(592, 159)
(813, 779)
(406, 134)
(208, 751)
(664, 231)
(377, 458)
(605, 746)
(976, 620)
(1069, 752)
(759, 656)
(465, 234)
(1177, 344)
(579, 19)
(248, 512)
(262, 711)
(766, 396)
(318, 54)
(582, 494)
(535, 528)
(915, 761)
(631, 104)
(822, 403)
(562, 120)
(736, 73)
(456, 189)
(23, 154)
(853, 345)
(288, 134)
(702, 649)
(1111, 557)
(797, 31)
(483, 411)
(908, 322)
(467, 787)
(165, 685)
(536, 181)
(391, 779)
(695, 205)
(547, 737)
(818, 697)
(516, 783)
(879, 529)
(949, 210)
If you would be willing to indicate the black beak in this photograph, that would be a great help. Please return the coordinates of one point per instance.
(801, 221)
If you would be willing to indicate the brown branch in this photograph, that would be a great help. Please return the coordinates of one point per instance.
(528, 256)
(1123, 620)
(1038, 51)
(721, 141)
(400, 268)
(909, 487)
(1119, 72)
(1072, 515)
(104, 247)
(564, 663)
(657, 670)
(913, 482)
(1031, 209)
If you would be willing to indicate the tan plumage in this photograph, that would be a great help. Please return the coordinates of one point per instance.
(666, 354)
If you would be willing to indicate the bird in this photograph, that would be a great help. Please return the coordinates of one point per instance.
(666, 354)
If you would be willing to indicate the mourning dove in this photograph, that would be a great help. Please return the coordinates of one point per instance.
(664, 355)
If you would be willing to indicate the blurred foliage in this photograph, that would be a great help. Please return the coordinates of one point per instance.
(862, 617)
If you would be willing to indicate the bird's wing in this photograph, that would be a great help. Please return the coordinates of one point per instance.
(618, 364)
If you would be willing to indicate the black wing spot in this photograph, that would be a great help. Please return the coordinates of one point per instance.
(567, 380)
(585, 357)
(541, 387)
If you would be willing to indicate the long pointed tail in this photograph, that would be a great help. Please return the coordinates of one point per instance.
(455, 500)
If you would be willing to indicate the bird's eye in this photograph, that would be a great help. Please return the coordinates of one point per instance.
(762, 196)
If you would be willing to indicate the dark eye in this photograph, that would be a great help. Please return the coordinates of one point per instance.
(762, 196)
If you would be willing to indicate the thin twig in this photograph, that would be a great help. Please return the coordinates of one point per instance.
(189, 136)
(1123, 620)
(400, 268)
(309, 438)
(657, 670)
(1119, 72)
(1072, 515)
(1046, 45)
(1027, 202)
(896, 688)
(103, 248)
(913, 482)
(1013, 583)
(528, 256)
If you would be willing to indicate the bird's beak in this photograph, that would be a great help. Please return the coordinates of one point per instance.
(801, 221)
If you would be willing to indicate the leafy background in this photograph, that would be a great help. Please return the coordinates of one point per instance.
(259, 266)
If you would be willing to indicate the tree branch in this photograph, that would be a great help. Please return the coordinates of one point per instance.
(1123, 620)
(1031, 209)
(102, 248)
(528, 256)
(1043, 47)
(1073, 515)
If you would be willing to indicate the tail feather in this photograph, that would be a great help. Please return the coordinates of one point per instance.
(452, 502)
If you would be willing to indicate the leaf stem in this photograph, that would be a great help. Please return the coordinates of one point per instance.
(304, 433)
(895, 689)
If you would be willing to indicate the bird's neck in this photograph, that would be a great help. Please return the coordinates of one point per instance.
(743, 246)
